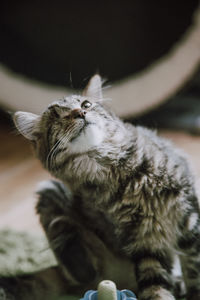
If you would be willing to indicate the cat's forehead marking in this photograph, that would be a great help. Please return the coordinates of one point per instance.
(71, 102)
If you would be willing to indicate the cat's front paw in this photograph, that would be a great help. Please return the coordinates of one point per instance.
(53, 193)
(156, 293)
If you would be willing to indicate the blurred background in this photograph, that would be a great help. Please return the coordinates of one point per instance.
(148, 52)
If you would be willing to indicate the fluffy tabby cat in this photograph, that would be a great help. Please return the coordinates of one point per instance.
(124, 208)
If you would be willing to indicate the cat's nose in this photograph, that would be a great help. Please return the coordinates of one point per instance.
(78, 113)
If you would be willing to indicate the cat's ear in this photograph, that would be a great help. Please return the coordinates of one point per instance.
(94, 88)
(26, 123)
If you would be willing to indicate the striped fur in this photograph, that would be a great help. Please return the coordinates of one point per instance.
(124, 189)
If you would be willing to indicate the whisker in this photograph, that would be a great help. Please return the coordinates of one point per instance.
(105, 99)
(52, 150)
(48, 156)
(62, 141)
(56, 149)
(70, 78)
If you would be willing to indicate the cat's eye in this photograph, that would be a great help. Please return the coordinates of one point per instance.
(86, 104)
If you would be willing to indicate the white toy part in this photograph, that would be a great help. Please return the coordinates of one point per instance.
(107, 290)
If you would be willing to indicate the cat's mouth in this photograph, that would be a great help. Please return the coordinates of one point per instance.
(82, 129)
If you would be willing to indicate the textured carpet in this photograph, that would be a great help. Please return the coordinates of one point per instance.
(21, 253)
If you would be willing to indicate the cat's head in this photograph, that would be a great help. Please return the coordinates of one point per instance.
(75, 124)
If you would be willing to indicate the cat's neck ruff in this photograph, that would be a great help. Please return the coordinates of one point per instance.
(97, 164)
(91, 137)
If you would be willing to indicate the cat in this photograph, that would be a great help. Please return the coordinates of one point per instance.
(123, 208)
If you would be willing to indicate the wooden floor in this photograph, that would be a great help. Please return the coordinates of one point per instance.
(20, 173)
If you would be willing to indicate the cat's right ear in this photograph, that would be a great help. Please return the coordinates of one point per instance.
(26, 123)
(94, 88)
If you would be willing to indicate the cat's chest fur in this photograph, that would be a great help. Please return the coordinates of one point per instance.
(136, 192)
(96, 188)
(130, 210)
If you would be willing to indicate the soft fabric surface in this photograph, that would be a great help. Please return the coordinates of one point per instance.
(23, 252)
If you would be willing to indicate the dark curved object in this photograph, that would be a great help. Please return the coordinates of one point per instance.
(55, 41)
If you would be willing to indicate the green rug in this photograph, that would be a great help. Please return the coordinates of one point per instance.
(23, 252)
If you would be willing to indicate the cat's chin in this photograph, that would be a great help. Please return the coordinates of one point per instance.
(90, 137)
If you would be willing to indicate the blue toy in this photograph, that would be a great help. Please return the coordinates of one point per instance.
(107, 291)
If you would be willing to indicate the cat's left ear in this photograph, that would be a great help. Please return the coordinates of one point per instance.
(27, 124)
(94, 88)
